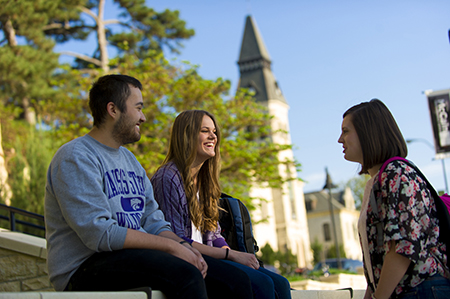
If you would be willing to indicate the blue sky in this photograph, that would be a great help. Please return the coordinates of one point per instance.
(328, 56)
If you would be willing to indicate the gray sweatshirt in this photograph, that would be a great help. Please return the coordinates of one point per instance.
(93, 194)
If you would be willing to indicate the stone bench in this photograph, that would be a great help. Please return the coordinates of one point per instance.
(23, 274)
(77, 295)
(296, 294)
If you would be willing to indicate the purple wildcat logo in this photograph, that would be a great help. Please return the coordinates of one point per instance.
(132, 204)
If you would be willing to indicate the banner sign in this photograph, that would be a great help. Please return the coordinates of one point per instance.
(439, 105)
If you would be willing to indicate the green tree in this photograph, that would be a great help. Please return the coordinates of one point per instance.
(138, 31)
(331, 253)
(27, 62)
(357, 185)
(28, 163)
(286, 260)
(317, 249)
(27, 58)
(267, 255)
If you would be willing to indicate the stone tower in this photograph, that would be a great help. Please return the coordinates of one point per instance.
(286, 225)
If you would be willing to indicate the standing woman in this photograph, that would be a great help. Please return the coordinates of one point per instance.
(411, 262)
(187, 189)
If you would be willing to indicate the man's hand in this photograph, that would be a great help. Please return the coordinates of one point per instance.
(198, 261)
(202, 266)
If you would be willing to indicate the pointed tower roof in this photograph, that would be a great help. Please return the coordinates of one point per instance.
(252, 43)
(255, 66)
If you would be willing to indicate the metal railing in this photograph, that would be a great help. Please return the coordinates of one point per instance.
(13, 221)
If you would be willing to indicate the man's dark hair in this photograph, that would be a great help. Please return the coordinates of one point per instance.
(110, 88)
(378, 133)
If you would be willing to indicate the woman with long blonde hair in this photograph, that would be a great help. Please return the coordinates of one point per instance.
(187, 189)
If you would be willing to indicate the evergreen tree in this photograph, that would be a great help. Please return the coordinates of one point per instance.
(140, 31)
(27, 60)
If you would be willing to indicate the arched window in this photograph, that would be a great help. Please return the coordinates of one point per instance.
(327, 232)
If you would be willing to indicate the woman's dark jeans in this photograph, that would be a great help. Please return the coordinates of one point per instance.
(435, 287)
(266, 284)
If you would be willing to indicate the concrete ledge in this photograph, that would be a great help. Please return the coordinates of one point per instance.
(339, 281)
(359, 294)
(320, 294)
(79, 295)
(23, 243)
(296, 294)
(346, 280)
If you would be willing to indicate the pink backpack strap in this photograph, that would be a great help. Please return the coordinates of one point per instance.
(386, 163)
(446, 199)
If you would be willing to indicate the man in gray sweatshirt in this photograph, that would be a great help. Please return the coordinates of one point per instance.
(104, 230)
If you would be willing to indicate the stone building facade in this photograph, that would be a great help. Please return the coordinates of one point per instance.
(345, 217)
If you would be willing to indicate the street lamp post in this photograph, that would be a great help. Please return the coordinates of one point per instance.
(329, 185)
(432, 147)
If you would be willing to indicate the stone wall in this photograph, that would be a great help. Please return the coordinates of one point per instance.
(22, 263)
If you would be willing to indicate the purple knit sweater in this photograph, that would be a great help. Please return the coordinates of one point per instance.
(169, 192)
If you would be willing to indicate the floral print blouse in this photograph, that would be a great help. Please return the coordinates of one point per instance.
(408, 213)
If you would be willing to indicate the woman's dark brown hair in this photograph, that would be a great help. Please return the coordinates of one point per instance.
(378, 133)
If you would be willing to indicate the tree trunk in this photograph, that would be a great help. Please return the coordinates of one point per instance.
(101, 36)
(10, 35)
(28, 112)
(5, 189)
(9, 31)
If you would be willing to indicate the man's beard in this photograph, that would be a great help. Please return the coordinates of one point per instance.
(124, 132)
